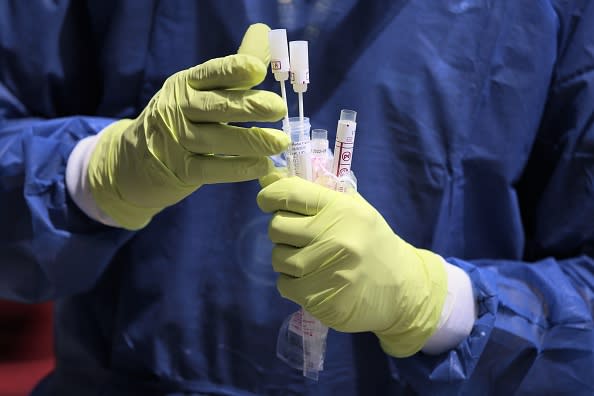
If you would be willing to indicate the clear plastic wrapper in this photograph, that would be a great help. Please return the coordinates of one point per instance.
(301, 343)
(301, 340)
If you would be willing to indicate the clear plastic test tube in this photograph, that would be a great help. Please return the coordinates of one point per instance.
(300, 150)
(319, 153)
(343, 147)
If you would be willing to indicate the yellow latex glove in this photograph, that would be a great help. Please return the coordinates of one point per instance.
(339, 259)
(181, 140)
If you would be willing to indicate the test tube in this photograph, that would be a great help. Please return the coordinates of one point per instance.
(345, 141)
(279, 59)
(300, 149)
(319, 152)
(279, 54)
(299, 70)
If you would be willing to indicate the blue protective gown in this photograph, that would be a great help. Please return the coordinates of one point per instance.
(475, 139)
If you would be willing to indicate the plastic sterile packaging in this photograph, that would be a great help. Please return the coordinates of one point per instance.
(301, 340)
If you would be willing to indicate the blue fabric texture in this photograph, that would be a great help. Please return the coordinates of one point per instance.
(475, 140)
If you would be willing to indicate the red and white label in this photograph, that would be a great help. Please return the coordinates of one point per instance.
(343, 148)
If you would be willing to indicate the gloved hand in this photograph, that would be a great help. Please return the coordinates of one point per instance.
(181, 140)
(339, 259)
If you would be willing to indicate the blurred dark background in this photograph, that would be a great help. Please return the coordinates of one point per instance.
(26, 346)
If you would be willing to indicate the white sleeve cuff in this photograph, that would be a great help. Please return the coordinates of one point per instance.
(77, 182)
(458, 314)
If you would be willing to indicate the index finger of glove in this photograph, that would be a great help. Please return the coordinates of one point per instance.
(239, 71)
(296, 195)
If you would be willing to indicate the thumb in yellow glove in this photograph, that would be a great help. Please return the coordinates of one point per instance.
(181, 140)
(339, 259)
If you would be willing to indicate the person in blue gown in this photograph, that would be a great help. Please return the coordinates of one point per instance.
(475, 145)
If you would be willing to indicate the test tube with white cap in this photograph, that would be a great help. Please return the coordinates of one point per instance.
(299, 70)
(299, 159)
(319, 153)
(345, 141)
(279, 59)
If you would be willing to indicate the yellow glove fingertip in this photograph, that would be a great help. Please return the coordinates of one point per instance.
(274, 175)
(268, 105)
(240, 71)
(255, 43)
(276, 141)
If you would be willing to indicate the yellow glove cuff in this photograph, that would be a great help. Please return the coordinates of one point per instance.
(398, 343)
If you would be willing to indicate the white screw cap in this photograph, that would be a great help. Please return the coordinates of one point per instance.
(279, 54)
(299, 65)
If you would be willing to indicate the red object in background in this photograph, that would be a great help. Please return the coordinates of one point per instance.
(26, 346)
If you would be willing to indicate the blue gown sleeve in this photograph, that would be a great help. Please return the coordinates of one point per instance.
(48, 247)
(535, 330)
